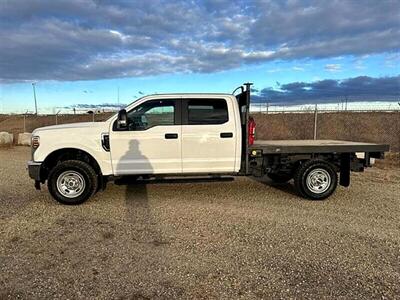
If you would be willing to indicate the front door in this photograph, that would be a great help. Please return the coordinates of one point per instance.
(208, 136)
(152, 143)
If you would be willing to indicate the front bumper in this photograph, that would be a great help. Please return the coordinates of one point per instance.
(34, 170)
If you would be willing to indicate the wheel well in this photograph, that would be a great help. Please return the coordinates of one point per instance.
(68, 154)
(330, 159)
(289, 163)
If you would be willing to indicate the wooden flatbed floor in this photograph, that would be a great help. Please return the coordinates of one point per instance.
(316, 146)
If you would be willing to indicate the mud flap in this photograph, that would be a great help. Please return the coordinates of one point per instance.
(345, 169)
(37, 185)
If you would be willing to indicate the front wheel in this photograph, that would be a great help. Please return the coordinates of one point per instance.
(315, 179)
(72, 182)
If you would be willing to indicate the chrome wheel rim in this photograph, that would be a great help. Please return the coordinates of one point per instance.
(71, 184)
(318, 181)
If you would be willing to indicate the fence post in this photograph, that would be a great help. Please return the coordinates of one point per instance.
(267, 107)
(24, 123)
(315, 121)
(57, 117)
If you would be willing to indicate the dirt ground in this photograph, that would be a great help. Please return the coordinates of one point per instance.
(233, 239)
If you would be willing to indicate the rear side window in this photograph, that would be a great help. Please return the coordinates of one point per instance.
(207, 111)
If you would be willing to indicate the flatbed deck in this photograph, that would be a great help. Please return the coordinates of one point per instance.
(315, 146)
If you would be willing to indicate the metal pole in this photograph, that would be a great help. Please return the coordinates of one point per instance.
(315, 121)
(267, 107)
(25, 122)
(247, 85)
(57, 117)
(34, 96)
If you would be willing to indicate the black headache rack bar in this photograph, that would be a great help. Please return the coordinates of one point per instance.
(244, 105)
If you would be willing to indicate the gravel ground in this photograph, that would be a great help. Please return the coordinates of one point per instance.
(233, 239)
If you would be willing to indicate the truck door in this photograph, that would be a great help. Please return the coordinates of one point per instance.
(152, 143)
(208, 136)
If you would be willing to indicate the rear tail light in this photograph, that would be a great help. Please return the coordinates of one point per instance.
(35, 142)
(252, 131)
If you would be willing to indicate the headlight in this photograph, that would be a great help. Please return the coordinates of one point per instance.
(35, 142)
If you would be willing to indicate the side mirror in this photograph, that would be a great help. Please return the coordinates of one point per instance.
(122, 121)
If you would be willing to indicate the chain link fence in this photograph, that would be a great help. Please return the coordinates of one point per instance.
(28, 122)
(369, 126)
(379, 126)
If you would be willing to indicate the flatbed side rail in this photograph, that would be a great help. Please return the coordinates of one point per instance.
(319, 146)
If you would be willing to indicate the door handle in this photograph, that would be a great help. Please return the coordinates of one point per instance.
(225, 135)
(170, 136)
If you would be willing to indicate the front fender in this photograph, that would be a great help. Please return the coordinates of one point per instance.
(97, 152)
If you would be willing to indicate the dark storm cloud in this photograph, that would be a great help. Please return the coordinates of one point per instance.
(362, 88)
(84, 39)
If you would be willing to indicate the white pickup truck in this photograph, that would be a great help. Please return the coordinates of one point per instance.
(186, 134)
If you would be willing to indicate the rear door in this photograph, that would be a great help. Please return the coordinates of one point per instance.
(208, 136)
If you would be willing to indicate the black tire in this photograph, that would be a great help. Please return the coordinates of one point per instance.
(304, 174)
(87, 174)
(279, 177)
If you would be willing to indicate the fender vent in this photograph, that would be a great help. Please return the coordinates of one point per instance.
(105, 141)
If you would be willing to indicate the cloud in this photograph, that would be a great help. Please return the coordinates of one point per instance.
(83, 40)
(333, 67)
(94, 106)
(393, 60)
(297, 68)
(362, 88)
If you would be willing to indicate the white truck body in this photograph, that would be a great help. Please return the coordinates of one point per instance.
(198, 148)
(186, 134)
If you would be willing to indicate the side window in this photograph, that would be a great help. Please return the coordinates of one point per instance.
(152, 113)
(207, 111)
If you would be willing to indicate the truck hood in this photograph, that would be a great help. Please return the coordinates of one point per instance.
(84, 125)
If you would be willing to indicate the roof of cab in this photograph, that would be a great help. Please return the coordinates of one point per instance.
(189, 94)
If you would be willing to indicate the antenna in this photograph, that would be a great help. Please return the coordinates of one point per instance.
(240, 87)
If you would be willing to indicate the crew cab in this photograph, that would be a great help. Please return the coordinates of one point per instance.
(186, 135)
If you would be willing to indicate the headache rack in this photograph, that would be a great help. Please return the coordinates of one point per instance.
(244, 106)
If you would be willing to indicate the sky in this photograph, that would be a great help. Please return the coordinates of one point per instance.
(82, 53)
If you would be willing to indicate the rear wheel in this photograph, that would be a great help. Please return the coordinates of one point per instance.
(72, 182)
(280, 177)
(315, 179)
